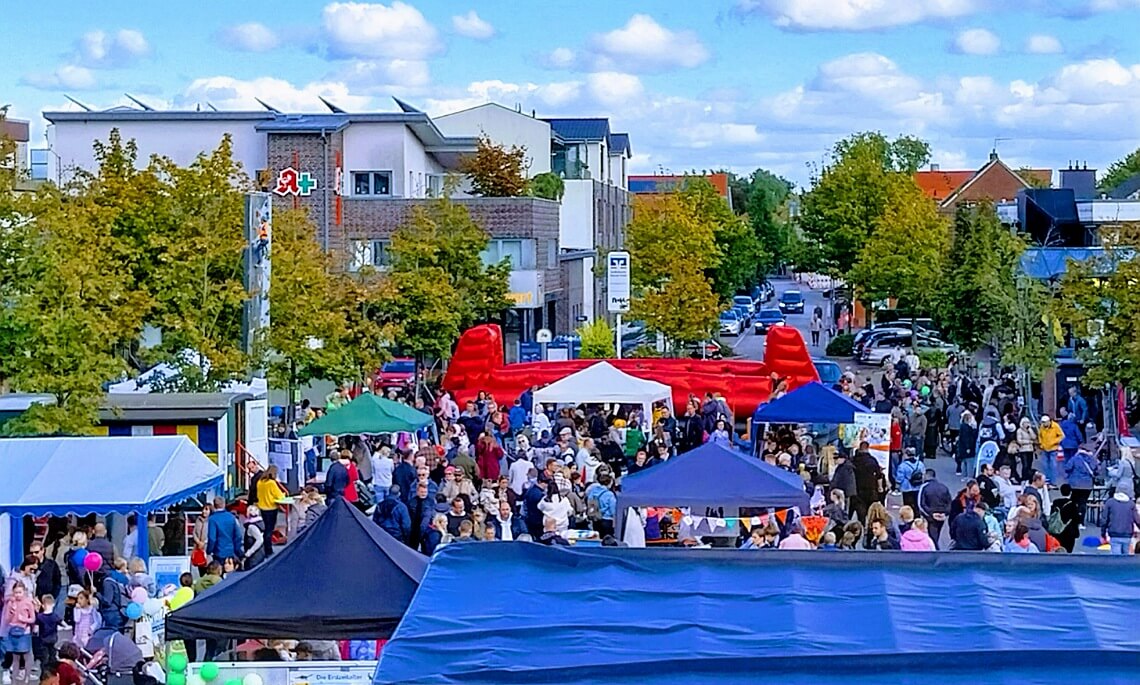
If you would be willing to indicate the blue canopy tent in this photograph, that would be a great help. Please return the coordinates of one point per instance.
(810, 403)
(341, 578)
(711, 475)
(689, 617)
(100, 475)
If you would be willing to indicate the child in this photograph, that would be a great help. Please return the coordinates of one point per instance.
(86, 619)
(140, 578)
(20, 617)
(47, 631)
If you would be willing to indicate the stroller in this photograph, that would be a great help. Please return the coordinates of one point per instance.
(116, 661)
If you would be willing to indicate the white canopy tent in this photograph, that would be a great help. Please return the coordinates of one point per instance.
(603, 383)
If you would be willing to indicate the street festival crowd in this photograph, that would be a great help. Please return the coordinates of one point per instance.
(519, 471)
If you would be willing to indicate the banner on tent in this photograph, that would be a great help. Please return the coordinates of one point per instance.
(875, 429)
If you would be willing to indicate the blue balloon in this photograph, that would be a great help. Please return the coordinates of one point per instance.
(78, 556)
(134, 611)
(277, 411)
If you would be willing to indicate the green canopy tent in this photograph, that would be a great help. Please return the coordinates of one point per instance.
(369, 415)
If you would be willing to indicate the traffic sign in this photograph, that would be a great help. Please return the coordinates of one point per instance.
(617, 282)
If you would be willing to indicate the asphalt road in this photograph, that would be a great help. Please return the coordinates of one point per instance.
(751, 346)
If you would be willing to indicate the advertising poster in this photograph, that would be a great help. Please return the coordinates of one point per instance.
(166, 570)
(876, 430)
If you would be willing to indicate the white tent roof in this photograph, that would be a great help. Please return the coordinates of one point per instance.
(601, 383)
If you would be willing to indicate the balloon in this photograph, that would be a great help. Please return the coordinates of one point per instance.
(925, 390)
(93, 561)
(249, 679)
(134, 611)
(182, 596)
(152, 607)
(78, 556)
(906, 384)
(176, 663)
(176, 678)
(138, 595)
(233, 681)
(209, 671)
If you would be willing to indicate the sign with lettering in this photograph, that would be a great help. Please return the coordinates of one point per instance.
(617, 282)
(293, 182)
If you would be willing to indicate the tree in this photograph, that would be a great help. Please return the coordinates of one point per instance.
(672, 247)
(495, 170)
(972, 302)
(767, 196)
(1099, 302)
(1120, 171)
(1032, 179)
(904, 256)
(739, 253)
(437, 263)
(597, 340)
(548, 185)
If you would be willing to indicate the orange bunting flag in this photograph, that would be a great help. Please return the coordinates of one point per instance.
(781, 515)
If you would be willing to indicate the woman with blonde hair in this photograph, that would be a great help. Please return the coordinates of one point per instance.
(437, 535)
(269, 493)
(878, 513)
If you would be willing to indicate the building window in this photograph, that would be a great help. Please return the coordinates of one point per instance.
(40, 164)
(434, 185)
(373, 253)
(520, 253)
(372, 183)
(381, 254)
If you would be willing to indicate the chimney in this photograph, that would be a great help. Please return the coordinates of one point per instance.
(934, 167)
(993, 155)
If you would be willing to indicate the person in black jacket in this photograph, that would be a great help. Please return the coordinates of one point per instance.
(420, 511)
(967, 443)
(968, 531)
(336, 478)
(869, 483)
(49, 580)
(844, 480)
(934, 504)
(692, 430)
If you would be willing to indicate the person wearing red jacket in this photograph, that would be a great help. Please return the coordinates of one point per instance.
(896, 451)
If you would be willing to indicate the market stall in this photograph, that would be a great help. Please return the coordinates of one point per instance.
(711, 476)
(369, 414)
(99, 475)
(603, 383)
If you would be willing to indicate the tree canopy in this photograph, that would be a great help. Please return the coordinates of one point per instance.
(1120, 171)
(973, 302)
(496, 170)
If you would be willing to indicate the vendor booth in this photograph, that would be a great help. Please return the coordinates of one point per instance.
(341, 578)
(369, 414)
(705, 617)
(810, 403)
(711, 475)
(99, 475)
(603, 383)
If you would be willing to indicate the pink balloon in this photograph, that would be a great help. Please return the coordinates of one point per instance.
(139, 596)
(93, 561)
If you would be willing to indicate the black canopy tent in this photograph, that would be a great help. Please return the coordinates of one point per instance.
(342, 578)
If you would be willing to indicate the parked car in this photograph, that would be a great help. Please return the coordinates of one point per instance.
(829, 372)
(730, 323)
(767, 318)
(745, 316)
(889, 348)
(868, 334)
(397, 373)
(792, 302)
(709, 349)
(767, 291)
(745, 301)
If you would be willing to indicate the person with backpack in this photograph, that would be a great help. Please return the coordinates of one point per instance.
(254, 540)
(601, 505)
(1062, 522)
(910, 475)
(392, 516)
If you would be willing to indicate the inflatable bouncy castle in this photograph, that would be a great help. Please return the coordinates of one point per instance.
(478, 364)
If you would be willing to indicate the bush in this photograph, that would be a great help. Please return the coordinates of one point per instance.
(547, 185)
(597, 341)
(841, 345)
(933, 359)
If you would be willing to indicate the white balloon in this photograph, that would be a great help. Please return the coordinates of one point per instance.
(152, 606)
(195, 679)
(252, 679)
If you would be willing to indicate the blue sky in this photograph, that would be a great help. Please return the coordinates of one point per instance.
(698, 85)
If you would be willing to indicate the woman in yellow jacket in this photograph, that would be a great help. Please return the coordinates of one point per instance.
(269, 493)
(1049, 437)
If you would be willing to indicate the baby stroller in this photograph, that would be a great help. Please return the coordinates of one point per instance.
(115, 661)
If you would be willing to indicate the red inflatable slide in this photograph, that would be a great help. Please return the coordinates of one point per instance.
(478, 364)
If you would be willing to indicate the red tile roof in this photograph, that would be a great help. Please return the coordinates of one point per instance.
(939, 185)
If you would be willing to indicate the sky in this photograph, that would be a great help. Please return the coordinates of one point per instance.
(706, 84)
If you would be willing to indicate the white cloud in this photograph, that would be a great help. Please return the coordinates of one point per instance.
(381, 75)
(613, 88)
(250, 37)
(644, 44)
(472, 25)
(1042, 44)
(226, 92)
(66, 77)
(101, 50)
(561, 58)
(396, 31)
(977, 42)
(856, 15)
(544, 96)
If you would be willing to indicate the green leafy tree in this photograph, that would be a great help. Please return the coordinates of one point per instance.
(548, 185)
(1120, 171)
(1031, 179)
(903, 258)
(739, 251)
(597, 340)
(765, 204)
(496, 170)
(973, 301)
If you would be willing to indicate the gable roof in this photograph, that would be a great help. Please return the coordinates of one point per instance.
(994, 163)
(590, 129)
(938, 184)
(619, 144)
(1127, 188)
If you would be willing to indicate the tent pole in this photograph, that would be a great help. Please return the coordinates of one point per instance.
(17, 539)
(142, 530)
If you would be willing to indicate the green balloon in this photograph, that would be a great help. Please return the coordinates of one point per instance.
(232, 681)
(175, 679)
(209, 671)
(176, 664)
(925, 390)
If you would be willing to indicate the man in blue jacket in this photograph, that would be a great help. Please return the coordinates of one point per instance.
(601, 505)
(969, 532)
(1077, 406)
(392, 516)
(223, 534)
(508, 526)
(910, 476)
(1073, 436)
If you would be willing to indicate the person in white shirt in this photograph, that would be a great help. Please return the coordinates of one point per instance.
(382, 467)
(558, 508)
(518, 473)
(540, 422)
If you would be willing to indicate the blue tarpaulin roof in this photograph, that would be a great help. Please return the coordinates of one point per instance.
(342, 578)
(614, 615)
(101, 475)
(713, 476)
(810, 403)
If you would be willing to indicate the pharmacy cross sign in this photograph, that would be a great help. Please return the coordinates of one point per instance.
(292, 182)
